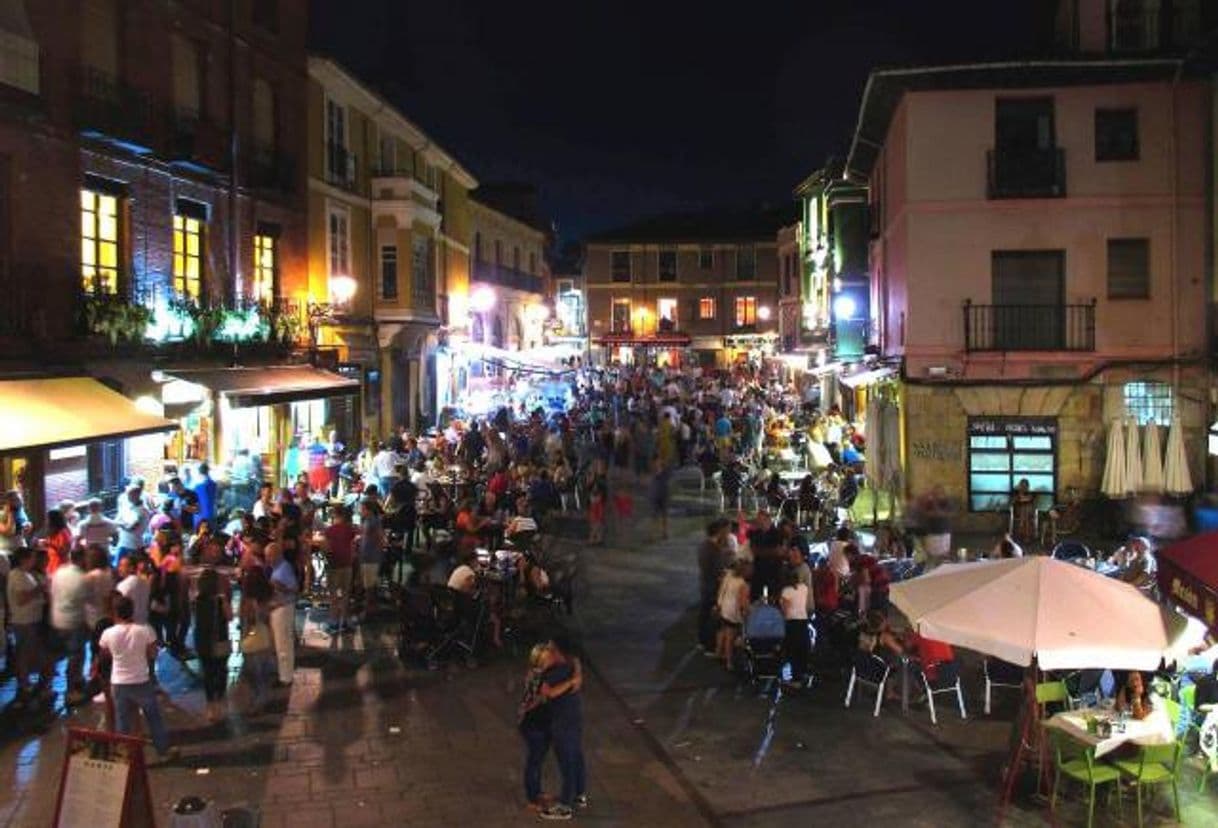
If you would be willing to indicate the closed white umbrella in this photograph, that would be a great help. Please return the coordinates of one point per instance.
(1152, 460)
(1113, 483)
(1176, 477)
(874, 432)
(1133, 458)
(1058, 614)
(892, 446)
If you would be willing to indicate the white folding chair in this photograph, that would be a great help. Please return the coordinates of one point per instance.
(947, 680)
(871, 670)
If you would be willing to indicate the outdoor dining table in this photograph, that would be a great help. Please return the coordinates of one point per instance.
(1155, 729)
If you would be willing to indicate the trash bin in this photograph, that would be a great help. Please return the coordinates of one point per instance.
(193, 812)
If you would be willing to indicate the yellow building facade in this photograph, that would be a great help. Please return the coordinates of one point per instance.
(389, 249)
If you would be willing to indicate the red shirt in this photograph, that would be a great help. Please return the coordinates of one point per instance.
(340, 540)
(59, 546)
(932, 652)
(498, 484)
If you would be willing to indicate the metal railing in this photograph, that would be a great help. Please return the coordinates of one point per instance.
(506, 277)
(270, 169)
(111, 108)
(1029, 327)
(340, 166)
(1034, 173)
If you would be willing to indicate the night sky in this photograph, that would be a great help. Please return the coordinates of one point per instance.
(617, 110)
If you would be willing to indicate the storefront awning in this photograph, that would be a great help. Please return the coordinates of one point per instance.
(249, 387)
(665, 340)
(68, 411)
(867, 377)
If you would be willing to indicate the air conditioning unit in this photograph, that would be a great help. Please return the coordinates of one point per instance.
(937, 371)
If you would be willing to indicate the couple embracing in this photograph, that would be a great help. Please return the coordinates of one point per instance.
(551, 715)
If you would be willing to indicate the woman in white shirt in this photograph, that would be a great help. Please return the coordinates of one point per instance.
(797, 646)
(733, 604)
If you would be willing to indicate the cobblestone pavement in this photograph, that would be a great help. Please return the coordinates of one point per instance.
(671, 739)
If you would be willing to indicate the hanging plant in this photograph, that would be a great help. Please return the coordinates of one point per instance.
(114, 318)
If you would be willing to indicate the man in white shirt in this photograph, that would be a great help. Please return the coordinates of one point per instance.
(132, 586)
(96, 529)
(133, 517)
(68, 595)
(264, 506)
(131, 647)
(384, 468)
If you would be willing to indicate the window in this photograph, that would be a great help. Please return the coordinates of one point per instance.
(706, 307)
(1116, 135)
(532, 262)
(264, 115)
(478, 246)
(746, 264)
(516, 259)
(389, 271)
(188, 222)
(746, 311)
(1129, 268)
(339, 165)
(99, 241)
(706, 258)
(266, 15)
(621, 266)
(666, 314)
(1149, 402)
(668, 265)
(338, 242)
(788, 267)
(621, 316)
(423, 273)
(19, 60)
(1002, 451)
(99, 51)
(187, 77)
(565, 286)
(387, 154)
(266, 264)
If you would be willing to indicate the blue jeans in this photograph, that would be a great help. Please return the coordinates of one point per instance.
(536, 746)
(569, 748)
(142, 696)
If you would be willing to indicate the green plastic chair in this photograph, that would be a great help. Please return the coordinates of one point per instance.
(1155, 765)
(1077, 761)
(1052, 692)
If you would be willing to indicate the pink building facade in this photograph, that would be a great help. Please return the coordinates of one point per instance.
(1038, 265)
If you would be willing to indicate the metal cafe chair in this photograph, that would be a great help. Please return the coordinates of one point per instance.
(871, 670)
(946, 680)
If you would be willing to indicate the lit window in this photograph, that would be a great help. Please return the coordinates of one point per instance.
(187, 256)
(746, 311)
(99, 242)
(706, 307)
(1149, 402)
(1002, 452)
(621, 316)
(339, 243)
(666, 313)
(265, 262)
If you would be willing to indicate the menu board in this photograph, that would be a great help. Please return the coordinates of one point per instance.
(104, 783)
(94, 791)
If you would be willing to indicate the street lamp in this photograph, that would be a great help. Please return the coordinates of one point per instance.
(763, 313)
(342, 291)
(482, 300)
(844, 307)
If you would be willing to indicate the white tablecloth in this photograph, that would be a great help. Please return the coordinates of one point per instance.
(1155, 729)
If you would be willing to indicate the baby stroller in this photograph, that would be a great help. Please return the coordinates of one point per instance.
(763, 634)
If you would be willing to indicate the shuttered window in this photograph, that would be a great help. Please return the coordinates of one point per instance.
(1129, 268)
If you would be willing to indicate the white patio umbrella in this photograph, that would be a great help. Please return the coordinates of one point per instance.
(891, 459)
(1176, 477)
(1152, 460)
(1133, 457)
(1113, 483)
(1063, 616)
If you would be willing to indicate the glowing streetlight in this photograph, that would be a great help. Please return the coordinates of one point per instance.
(342, 289)
(482, 300)
(843, 307)
(763, 313)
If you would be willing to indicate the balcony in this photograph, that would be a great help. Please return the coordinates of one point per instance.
(397, 191)
(109, 110)
(506, 277)
(1032, 173)
(196, 142)
(1029, 327)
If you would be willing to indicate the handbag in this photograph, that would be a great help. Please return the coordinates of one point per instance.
(257, 640)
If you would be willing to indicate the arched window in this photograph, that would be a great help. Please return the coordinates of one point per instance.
(1149, 401)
